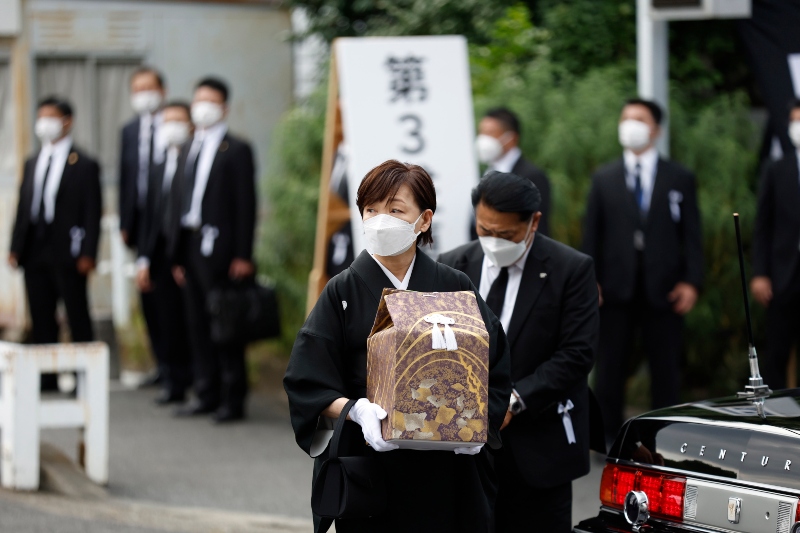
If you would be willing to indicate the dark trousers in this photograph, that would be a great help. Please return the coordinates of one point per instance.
(516, 501)
(220, 374)
(46, 283)
(171, 345)
(783, 332)
(661, 337)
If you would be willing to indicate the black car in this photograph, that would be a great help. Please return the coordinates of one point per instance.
(709, 466)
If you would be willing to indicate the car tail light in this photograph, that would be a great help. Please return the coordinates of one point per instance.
(665, 493)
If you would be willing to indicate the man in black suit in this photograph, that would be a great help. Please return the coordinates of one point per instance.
(643, 231)
(213, 223)
(776, 255)
(57, 226)
(546, 297)
(498, 148)
(142, 147)
(154, 264)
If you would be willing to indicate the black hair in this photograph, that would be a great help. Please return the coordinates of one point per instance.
(794, 103)
(183, 104)
(64, 107)
(216, 84)
(506, 117)
(507, 193)
(654, 108)
(145, 69)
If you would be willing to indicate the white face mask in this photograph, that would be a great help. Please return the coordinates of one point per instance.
(502, 252)
(145, 102)
(633, 134)
(794, 133)
(206, 114)
(48, 129)
(488, 148)
(387, 235)
(175, 132)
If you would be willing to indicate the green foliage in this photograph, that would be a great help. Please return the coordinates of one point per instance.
(292, 186)
(347, 18)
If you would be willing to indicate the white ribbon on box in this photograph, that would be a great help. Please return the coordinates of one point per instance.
(563, 410)
(675, 199)
(448, 342)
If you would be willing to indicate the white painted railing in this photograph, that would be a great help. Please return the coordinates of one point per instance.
(23, 412)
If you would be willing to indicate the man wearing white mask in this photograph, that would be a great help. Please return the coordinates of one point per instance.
(776, 255)
(154, 265)
(212, 228)
(642, 228)
(545, 295)
(141, 148)
(57, 226)
(497, 146)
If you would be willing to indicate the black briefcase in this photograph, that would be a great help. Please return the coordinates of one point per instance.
(347, 487)
(243, 312)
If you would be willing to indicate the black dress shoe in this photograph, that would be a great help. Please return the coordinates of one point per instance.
(225, 415)
(166, 398)
(153, 380)
(194, 409)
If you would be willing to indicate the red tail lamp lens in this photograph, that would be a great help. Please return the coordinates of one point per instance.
(665, 493)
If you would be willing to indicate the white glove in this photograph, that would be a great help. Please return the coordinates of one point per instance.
(468, 450)
(368, 416)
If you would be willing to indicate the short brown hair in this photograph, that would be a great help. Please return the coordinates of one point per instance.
(383, 182)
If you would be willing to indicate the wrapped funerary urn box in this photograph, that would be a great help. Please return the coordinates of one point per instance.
(428, 367)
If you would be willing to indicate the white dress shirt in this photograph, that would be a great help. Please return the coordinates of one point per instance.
(507, 161)
(402, 285)
(147, 121)
(648, 164)
(209, 139)
(59, 152)
(489, 273)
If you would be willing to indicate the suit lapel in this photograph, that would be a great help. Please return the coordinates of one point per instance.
(534, 278)
(660, 191)
(471, 263)
(222, 150)
(69, 170)
(621, 185)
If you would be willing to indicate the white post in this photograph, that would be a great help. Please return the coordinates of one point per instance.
(93, 390)
(20, 424)
(652, 64)
(120, 293)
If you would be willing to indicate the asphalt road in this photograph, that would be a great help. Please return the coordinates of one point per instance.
(253, 468)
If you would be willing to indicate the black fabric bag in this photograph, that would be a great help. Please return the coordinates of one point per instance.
(347, 487)
(243, 312)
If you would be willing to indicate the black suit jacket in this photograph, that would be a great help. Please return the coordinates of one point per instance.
(78, 204)
(525, 169)
(553, 336)
(155, 226)
(777, 228)
(229, 204)
(673, 242)
(128, 176)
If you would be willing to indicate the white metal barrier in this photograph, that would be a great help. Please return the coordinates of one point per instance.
(23, 412)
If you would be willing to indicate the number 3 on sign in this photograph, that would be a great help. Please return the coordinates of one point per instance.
(417, 143)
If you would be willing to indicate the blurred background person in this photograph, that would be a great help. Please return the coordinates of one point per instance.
(642, 228)
(142, 147)
(57, 227)
(154, 264)
(776, 255)
(498, 148)
(212, 227)
(545, 295)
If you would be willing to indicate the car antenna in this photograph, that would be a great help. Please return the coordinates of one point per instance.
(756, 390)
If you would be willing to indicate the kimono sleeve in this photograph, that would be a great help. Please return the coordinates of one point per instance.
(314, 376)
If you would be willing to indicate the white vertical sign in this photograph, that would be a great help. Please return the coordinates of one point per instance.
(409, 98)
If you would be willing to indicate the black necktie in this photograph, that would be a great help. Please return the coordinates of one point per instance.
(41, 222)
(191, 176)
(497, 293)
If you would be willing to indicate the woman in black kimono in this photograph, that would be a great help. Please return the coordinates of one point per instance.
(439, 491)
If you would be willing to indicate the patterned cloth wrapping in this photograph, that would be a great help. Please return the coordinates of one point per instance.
(435, 393)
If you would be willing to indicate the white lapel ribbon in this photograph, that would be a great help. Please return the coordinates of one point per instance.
(675, 199)
(76, 236)
(210, 234)
(448, 341)
(563, 410)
